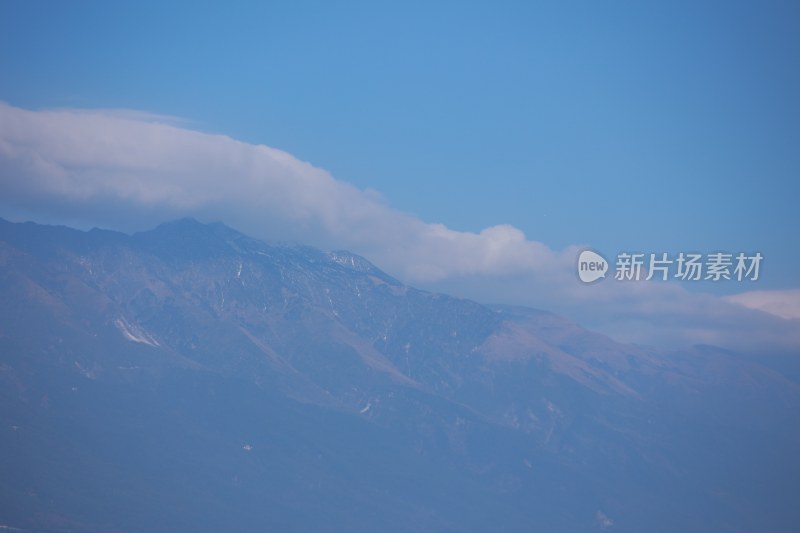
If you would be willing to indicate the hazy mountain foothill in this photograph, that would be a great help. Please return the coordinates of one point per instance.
(191, 378)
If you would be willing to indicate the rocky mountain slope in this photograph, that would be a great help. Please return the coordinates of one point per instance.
(190, 378)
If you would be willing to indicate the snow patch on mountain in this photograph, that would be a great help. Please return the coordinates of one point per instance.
(134, 333)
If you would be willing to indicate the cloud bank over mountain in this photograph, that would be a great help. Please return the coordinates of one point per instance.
(130, 170)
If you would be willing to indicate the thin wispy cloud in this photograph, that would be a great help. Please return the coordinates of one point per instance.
(131, 170)
(785, 304)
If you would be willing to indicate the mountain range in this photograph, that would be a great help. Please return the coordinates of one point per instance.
(191, 378)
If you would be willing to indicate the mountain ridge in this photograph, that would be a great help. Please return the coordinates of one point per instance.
(498, 405)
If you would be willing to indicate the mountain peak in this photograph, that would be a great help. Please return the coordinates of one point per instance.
(188, 238)
(189, 224)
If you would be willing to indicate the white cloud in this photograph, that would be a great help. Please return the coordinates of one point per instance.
(130, 170)
(83, 159)
(785, 304)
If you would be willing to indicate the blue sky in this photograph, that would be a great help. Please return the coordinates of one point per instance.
(643, 126)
